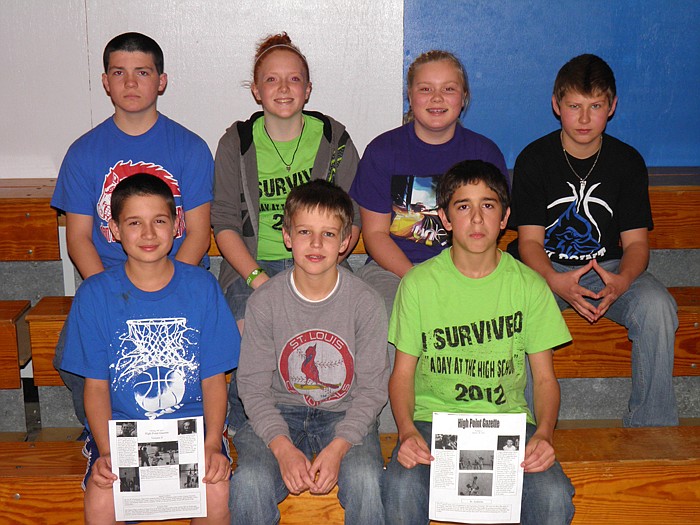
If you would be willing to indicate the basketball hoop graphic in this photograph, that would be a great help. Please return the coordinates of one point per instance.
(155, 366)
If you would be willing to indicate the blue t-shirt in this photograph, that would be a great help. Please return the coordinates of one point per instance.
(154, 348)
(100, 159)
(398, 174)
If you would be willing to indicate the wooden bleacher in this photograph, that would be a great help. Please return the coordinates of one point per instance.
(603, 352)
(14, 342)
(28, 224)
(622, 476)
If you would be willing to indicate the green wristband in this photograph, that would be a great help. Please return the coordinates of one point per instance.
(253, 275)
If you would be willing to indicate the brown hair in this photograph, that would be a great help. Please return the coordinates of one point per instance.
(472, 172)
(131, 43)
(278, 41)
(436, 55)
(588, 75)
(141, 184)
(321, 195)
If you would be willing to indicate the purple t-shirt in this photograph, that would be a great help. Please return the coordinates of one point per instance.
(398, 175)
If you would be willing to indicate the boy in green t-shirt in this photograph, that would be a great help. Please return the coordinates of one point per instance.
(463, 323)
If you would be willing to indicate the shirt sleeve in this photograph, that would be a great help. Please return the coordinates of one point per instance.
(372, 369)
(371, 188)
(74, 192)
(226, 208)
(634, 208)
(347, 171)
(528, 207)
(546, 326)
(220, 340)
(405, 317)
(87, 340)
(494, 155)
(256, 370)
(197, 175)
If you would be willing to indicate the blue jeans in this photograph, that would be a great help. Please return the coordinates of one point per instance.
(547, 496)
(649, 313)
(257, 486)
(237, 297)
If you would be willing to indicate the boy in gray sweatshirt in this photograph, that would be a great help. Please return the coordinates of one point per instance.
(313, 373)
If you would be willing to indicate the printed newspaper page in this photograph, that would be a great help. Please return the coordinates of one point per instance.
(160, 466)
(476, 476)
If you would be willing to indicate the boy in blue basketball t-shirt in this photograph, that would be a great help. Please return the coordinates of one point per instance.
(153, 338)
(136, 139)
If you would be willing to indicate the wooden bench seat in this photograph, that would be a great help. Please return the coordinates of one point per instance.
(622, 476)
(601, 352)
(28, 224)
(14, 343)
(45, 322)
(676, 221)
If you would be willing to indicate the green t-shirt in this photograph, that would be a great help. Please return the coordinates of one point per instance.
(471, 335)
(275, 182)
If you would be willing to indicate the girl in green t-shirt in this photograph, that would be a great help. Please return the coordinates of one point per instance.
(258, 162)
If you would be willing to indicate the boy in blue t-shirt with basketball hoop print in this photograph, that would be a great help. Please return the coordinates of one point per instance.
(153, 338)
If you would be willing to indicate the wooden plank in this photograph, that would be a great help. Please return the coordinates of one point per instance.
(28, 225)
(603, 350)
(686, 295)
(673, 444)
(308, 508)
(35, 237)
(621, 475)
(633, 475)
(676, 217)
(45, 324)
(213, 248)
(636, 492)
(11, 313)
(44, 336)
(28, 230)
(27, 188)
(675, 213)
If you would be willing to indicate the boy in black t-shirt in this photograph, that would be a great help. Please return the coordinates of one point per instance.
(581, 205)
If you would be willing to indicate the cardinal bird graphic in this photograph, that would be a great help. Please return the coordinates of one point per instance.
(310, 370)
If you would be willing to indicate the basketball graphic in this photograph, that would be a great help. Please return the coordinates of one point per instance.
(159, 389)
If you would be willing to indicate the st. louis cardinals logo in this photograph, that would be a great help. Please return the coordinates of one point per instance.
(318, 365)
(122, 170)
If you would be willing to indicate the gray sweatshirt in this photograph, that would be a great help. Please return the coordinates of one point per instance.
(330, 355)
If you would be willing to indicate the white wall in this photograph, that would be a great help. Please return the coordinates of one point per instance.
(50, 67)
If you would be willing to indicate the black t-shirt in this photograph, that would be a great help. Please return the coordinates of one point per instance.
(582, 221)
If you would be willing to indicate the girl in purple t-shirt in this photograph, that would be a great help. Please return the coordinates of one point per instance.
(396, 178)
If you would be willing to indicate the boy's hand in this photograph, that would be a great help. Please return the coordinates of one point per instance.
(102, 474)
(539, 455)
(615, 286)
(327, 464)
(294, 465)
(218, 467)
(565, 285)
(414, 450)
